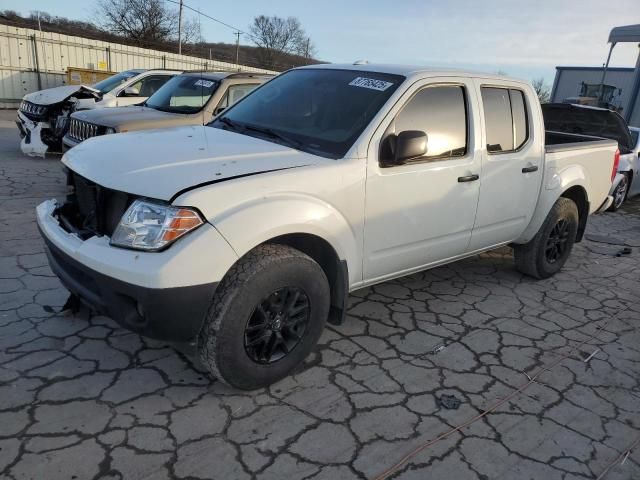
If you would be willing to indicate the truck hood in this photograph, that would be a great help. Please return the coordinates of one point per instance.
(60, 94)
(161, 164)
(136, 117)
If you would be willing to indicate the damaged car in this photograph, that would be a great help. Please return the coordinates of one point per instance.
(43, 116)
(192, 98)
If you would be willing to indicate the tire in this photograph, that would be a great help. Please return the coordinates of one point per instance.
(620, 193)
(538, 258)
(243, 324)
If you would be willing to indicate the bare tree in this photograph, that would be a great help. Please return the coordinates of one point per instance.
(275, 36)
(306, 48)
(138, 19)
(542, 89)
(191, 31)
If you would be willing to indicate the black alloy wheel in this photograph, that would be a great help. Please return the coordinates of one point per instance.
(556, 245)
(277, 325)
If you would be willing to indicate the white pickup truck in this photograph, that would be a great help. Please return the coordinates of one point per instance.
(245, 236)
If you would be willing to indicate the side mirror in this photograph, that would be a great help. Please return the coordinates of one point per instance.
(409, 144)
(130, 92)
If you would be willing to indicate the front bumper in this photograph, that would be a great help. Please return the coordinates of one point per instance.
(174, 314)
(163, 295)
(31, 131)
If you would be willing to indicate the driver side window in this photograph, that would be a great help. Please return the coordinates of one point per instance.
(441, 113)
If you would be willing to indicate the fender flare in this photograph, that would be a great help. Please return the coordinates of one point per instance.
(259, 220)
(555, 187)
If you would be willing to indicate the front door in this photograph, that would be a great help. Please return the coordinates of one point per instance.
(422, 212)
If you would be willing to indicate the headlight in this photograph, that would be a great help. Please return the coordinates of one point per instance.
(152, 226)
(109, 130)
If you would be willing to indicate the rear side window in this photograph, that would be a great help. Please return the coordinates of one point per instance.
(441, 113)
(235, 93)
(505, 118)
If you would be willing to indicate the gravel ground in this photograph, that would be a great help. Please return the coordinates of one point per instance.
(546, 373)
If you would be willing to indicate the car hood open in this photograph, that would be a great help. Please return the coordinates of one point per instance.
(55, 95)
(163, 163)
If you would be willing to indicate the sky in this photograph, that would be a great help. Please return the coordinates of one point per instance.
(526, 39)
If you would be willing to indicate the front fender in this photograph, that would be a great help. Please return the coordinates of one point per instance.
(556, 183)
(257, 221)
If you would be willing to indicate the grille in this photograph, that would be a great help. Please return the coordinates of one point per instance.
(91, 209)
(31, 109)
(80, 130)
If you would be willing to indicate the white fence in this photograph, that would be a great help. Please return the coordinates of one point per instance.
(31, 60)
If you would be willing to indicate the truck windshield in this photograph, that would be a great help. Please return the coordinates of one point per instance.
(321, 111)
(110, 83)
(183, 94)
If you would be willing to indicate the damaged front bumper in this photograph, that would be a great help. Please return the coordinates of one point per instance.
(31, 142)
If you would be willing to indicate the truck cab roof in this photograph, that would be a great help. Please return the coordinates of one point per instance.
(408, 70)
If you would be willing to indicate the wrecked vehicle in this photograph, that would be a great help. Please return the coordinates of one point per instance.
(43, 116)
(245, 236)
(192, 98)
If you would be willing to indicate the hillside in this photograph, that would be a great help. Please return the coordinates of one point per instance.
(247, 55)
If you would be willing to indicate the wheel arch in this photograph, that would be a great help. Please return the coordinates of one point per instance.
(336, 269)
(579, 196)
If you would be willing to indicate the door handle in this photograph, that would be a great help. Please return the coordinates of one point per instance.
(532, 168)
(468, 178)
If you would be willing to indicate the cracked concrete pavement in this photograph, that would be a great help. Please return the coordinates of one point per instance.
(81, 398)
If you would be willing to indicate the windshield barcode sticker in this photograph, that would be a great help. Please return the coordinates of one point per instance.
(203, 83)
(370, 83)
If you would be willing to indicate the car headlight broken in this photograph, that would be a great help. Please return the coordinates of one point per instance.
(153, 226)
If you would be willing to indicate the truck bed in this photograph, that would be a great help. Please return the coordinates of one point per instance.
(593, 156)
(555, 141)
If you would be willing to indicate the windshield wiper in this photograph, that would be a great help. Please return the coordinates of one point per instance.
(273, 134)
(230, 123)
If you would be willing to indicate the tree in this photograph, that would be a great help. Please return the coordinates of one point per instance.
(275, 36)
(306, 48)
(542, 89)
(191, 31)
(146, 20)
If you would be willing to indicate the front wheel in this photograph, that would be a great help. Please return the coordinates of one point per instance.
(620, 193)
(548, 251)
(265, 318)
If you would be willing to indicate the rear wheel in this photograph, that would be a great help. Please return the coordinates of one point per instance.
(265, 318)
(620, 193)
(548, 251)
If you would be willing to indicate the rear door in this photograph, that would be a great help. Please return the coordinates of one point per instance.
(422, 212)
(512, 156)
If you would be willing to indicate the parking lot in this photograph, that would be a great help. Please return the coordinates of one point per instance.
(469, 371)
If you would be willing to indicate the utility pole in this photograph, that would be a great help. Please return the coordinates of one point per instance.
(180, 29)
(237, 34)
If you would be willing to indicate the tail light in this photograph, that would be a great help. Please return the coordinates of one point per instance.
(616, 162)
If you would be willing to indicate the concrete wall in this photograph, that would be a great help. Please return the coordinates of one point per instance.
(31, 60)
(568, 80)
